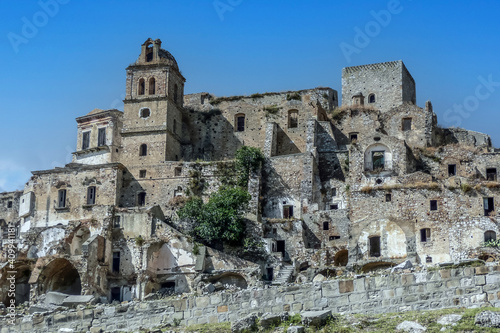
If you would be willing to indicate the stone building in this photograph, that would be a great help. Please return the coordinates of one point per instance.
(366, 185)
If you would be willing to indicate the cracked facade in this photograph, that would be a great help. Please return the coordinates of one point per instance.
(366, 185)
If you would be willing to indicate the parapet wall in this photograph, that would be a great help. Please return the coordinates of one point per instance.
(445, 288)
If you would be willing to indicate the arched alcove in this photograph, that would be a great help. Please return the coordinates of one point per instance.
(60, 275)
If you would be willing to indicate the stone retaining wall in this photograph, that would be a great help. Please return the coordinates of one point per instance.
(445, 288)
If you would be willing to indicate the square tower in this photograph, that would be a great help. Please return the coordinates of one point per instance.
(383, 85)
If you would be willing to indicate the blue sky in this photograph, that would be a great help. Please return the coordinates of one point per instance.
(62, 58)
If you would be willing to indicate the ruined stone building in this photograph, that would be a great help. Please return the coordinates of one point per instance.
(369, 184)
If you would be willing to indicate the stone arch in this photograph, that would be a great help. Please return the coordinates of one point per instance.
(293, 118)
(393, 239)
(371, 98)
(341, 258)
(143, 150)
(239, 122)
(490, 235)
(378, 157)
(20, 280)
(141, 87)
(60, 275)
(152, 86)
(80, 236)
(232, 279)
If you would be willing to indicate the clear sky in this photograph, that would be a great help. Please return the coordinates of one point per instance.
(60, 59)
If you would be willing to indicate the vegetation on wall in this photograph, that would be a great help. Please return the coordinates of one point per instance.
(221, 218)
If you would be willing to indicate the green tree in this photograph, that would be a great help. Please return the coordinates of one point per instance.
(221, 218)
(248, 159)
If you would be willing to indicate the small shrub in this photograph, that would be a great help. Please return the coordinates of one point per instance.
(257, 95)
(139, 241)
(196, 249)
(272, 110)
(466, 187)
(293, 96)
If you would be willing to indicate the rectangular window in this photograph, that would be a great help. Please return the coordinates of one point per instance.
(61, 201)
(353, 137)
(240, 123)
(9, 204)
(177, 171)
(101, 137)
(141, 199)
(117, 222)
(333, 237)
(388, 197)
(434, 205)
(175, 126)
(406, 124)
(489, 206)
(91, 192)
(334, 192)
(334, 206)
(378, 160)
(85, 140)
(116, 262)
(452, 169)
(287, 212)
(491, 174)
(374, 246)
(425, 235)
(142, 173)
(326, 226)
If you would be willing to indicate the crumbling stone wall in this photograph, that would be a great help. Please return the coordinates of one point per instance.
(445, 288)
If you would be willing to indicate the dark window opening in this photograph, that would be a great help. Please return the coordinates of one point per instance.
(452, 169)
(334, 192)
(287, 212)
(428, 259)
(175, 93)
(91, 193)
(269, 273)
(115, 294)
(143, 150)
(425, 235)
(434, 204)
(141, 199)
(280, 246)
(142, 173)
(388, 197)
(490, 235)
(353, 137)
(61, 201)
(116, 262)
(374, 246)
(117, 222)
(101, 137)
(240, 123)
(333, 237)
(489, 206)
(168, 285)
(175, 126)
(378, 160)
(177, 171)
(326, 226)
(145, 113)
(152, 86)
(334, 206)
(86, 140)
(9, 204)
(491, 174)
(141, 87)
(293, 119)
(371, 98)
(275, 231)
(406, 124)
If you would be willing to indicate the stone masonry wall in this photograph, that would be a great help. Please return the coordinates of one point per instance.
(445, 288)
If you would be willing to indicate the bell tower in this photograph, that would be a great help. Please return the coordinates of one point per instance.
(153, 107)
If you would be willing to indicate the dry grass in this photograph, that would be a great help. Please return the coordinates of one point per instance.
(367, 189)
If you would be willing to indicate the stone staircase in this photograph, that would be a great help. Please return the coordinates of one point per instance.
(284, 275)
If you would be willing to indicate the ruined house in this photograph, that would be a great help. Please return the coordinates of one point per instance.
(369, 184)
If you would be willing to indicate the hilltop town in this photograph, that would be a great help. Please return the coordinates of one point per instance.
(328, 189)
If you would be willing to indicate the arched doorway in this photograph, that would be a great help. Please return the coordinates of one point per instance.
(60, 275)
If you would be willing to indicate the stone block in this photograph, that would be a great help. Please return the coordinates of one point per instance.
(269, 320)
(74, 300)
(54, 297)
(480, 280)
(407, 279)
(452, 283)
(445, 273)
(202, 301)
(295, 329)
(316, 318)
(346, 286)
(481, 270)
